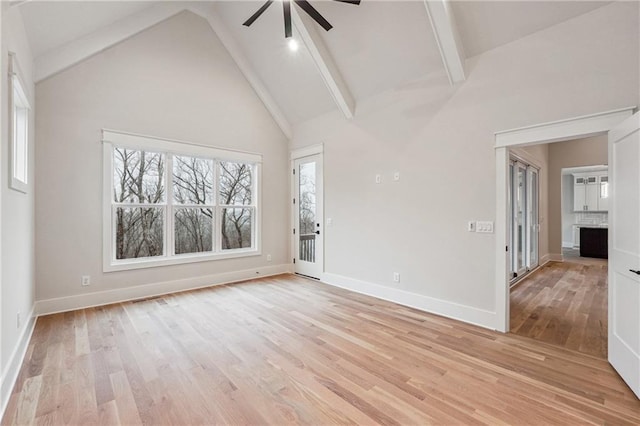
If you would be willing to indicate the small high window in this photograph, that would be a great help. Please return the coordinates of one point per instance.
(19, 129)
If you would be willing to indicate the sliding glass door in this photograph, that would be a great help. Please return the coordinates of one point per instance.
(523, 211)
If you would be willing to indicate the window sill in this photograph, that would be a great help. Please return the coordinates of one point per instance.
(126, 265)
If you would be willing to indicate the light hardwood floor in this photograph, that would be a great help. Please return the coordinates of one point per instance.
(288, 350)
(564, 303)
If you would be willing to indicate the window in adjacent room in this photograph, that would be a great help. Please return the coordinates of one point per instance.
(168, 202)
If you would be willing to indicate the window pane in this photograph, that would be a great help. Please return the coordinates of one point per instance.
(236, 228)
(138, 176)
(192, 180)
(193, 230)
(139, 232)
(235, 183)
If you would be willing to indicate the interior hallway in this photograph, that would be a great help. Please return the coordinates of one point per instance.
(564, 303)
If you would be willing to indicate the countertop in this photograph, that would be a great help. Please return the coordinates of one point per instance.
(589, 225)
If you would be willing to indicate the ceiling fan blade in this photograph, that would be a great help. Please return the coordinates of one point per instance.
(311, 11)
(286, 7)
(356, 2)
(256, 15)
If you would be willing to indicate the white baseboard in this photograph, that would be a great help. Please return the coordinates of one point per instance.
(10, 373)
(465, 313)
(81, 301)
(567, 244)
(555, 257)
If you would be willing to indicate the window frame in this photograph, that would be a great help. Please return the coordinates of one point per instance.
(170, 148)
(18, 100)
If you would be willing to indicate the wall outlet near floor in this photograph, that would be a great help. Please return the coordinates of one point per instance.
(378, 178)
(18, 320)
(396, 277)
(396, 176)
(86, 280)
(268, 258)
(484, 227)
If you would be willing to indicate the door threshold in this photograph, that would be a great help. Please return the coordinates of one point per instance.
(307, 276)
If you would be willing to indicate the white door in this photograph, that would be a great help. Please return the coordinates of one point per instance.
(307, 203)
(624, 251)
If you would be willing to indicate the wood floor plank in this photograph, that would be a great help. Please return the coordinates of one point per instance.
(564, 303)
(287, 350)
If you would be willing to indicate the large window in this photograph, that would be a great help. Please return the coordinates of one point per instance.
(169, 202)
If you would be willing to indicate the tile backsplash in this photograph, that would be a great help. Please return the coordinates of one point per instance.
(591, 218)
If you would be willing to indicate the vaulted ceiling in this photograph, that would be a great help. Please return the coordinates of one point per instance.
(373, 47)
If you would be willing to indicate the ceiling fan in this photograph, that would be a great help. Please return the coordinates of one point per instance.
(302, 4)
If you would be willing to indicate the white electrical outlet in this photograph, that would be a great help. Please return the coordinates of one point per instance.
(18, 320)
(396, 176)
(484, 227)
(268, 258)
(396, 277)
(86, 280)
(378, 178)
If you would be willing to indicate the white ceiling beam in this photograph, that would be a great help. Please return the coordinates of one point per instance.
(78, 50)
(446, 33)
(242, 62)
(325, 63)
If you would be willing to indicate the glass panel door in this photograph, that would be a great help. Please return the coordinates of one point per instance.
(523, 199)
(521, 205)
(308, 235)
(532, 214)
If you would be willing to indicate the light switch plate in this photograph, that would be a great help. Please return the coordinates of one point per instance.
(484, 227)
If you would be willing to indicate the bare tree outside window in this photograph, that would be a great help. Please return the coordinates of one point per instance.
(236, 183)
(138, 182)
(193, 188)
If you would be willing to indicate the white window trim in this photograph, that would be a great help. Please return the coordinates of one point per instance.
(17, 97)
(112, 139)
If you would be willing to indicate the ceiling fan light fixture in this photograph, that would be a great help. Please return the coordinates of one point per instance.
(293, 45)
(286, 8)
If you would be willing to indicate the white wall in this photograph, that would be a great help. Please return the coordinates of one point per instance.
(174, 81)
(17, 216)
(575, 153)
(441, 140)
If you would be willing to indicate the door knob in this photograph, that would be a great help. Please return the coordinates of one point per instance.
(318, 232)
(634, 271)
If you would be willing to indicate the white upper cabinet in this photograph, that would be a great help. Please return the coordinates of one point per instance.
(591, 192)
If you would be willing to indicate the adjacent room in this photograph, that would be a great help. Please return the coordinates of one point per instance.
(319, 212)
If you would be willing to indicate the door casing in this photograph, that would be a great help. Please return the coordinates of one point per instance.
(557, 131)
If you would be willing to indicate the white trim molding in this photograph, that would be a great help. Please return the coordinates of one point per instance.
(555, 131)
(88, 300)
(325, 63)
(306, 151)
(465, 313)
(13, 364)
(70, 54)
(446, 34)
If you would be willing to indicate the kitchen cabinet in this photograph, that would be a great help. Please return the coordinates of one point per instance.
(594, 242)
(590, 193)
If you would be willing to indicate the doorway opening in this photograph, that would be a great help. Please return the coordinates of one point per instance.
(564, 302)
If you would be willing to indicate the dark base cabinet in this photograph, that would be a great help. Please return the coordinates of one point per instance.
(594, 242)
